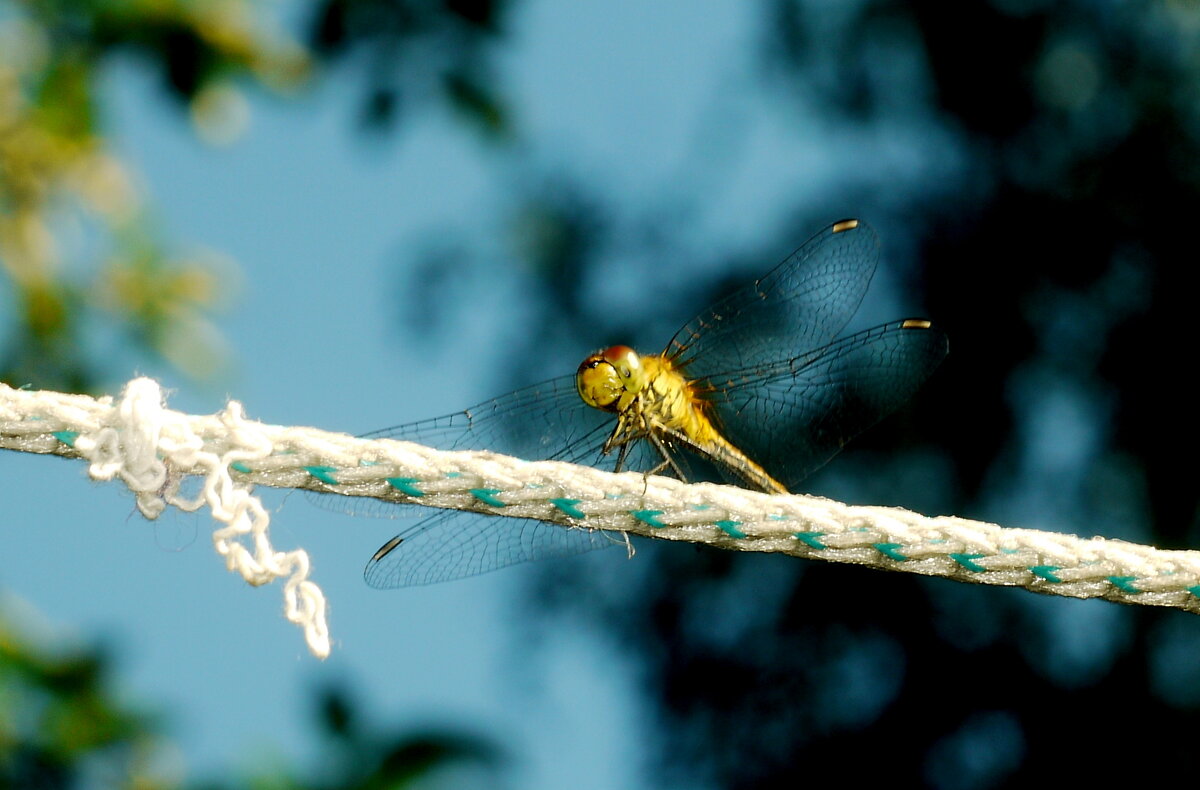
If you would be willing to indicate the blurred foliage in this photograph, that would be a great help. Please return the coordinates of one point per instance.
(359, 755)
(62, 727)
(76, 245)
(415, 50)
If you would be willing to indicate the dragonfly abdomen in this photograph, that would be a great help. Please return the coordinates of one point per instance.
(670, 406)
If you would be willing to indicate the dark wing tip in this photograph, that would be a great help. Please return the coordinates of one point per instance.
(923, 325)
(387, 548)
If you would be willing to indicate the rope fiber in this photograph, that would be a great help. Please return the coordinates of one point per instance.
(151, 449)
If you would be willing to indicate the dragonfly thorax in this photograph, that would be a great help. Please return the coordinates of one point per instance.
(611, 379)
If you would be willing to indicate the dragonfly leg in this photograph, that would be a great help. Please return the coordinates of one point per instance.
(623, 435)
(667, 461)
(622, 454)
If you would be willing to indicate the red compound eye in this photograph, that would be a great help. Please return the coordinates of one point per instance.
(616, 353)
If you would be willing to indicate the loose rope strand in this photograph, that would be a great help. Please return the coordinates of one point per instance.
(152, 449)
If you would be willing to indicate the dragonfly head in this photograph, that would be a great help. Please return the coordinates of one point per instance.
(610, 379)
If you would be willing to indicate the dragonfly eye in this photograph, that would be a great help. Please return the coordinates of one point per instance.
(627, 363)
(611, 379)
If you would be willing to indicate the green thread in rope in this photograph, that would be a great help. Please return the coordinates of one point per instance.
(1123, 583)
(968, 562)
(889, 551)
(488, 496)
(730, 528)
(1195, 590)
(568, 506)
(238, 466)
(1046, 572)
(811, 538)
(66, 437)
(405, 485)
(322, 473)
(649, 517)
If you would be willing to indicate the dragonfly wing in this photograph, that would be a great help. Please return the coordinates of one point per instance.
(540, 422)
(546, 421)
(796, 414)
(454, 545)
(802, 304)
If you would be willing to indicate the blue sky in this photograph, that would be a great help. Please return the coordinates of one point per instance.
(319, 220)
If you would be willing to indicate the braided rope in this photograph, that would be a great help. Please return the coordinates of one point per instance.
(152, 448)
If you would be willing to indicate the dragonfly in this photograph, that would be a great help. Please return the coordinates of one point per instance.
(759, 390)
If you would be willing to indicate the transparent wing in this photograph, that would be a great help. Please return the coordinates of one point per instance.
(542, 422)
(546, 421)
(454, 545)
(794, 414)
(803, 303)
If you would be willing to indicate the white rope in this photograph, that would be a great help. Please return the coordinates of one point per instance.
(151, 448)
